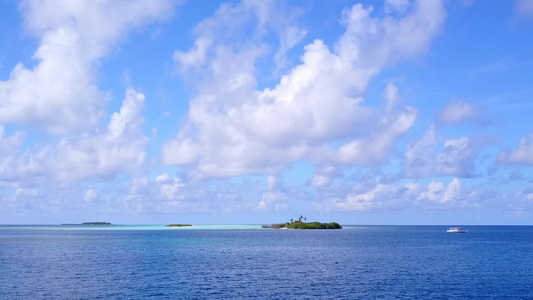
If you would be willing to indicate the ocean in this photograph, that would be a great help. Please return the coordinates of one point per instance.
(247, 262)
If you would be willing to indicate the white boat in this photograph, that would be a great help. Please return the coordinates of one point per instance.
(456, 230)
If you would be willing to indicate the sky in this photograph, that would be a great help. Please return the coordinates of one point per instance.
(256, 112)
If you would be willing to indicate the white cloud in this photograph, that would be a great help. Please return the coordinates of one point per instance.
(9, 149)
(438, 192)
(523, 154)
(276, 201)
(9, 144)
(196, 56)
(59, 94)
(167, 194)
(524, 7)
(169, 187)
(375, 149)
(366, 195)
(391, 95)
(233, 128)
(360, 201)
(455, 195)
(90, 195)
(456, 112)
(323, 175)
(455, 159)
(289, 38)
(375, 196)
(101, 154)
(396, 6)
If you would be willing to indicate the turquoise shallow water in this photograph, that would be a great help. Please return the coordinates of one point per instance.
(127, 227)
(246, 262)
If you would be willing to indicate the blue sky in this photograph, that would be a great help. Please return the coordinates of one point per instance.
(207, 112)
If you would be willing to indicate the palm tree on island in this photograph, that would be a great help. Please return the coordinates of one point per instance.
(302, 225)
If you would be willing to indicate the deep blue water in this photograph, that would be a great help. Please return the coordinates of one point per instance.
(370, 262)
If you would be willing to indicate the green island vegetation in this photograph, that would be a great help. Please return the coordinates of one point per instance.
(89, 223)
(178, 225)
(299, 224)
(95, 223)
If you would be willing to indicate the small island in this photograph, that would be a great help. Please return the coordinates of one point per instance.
(89, 223)
(178, 225)
(299, 224)
(95, 223)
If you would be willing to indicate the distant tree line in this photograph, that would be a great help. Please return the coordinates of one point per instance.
(299, 224)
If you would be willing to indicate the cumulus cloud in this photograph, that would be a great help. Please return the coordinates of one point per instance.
(375, 149)
(323, 175)
(456, 112)
(169, 194)
(376, 196)
(456, 158)
(103, 153)
(9, 151)
(59, 94)
(9, 145)
(140, 195)
(196, 56)
(522, 155)
(438, 192)
(289, 38)
(169, 187)
(276, 201)
(233, 128)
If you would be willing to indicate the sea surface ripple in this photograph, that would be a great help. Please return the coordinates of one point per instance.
(246, 262)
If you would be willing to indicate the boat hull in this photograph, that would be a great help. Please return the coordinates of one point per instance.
(456, 230)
